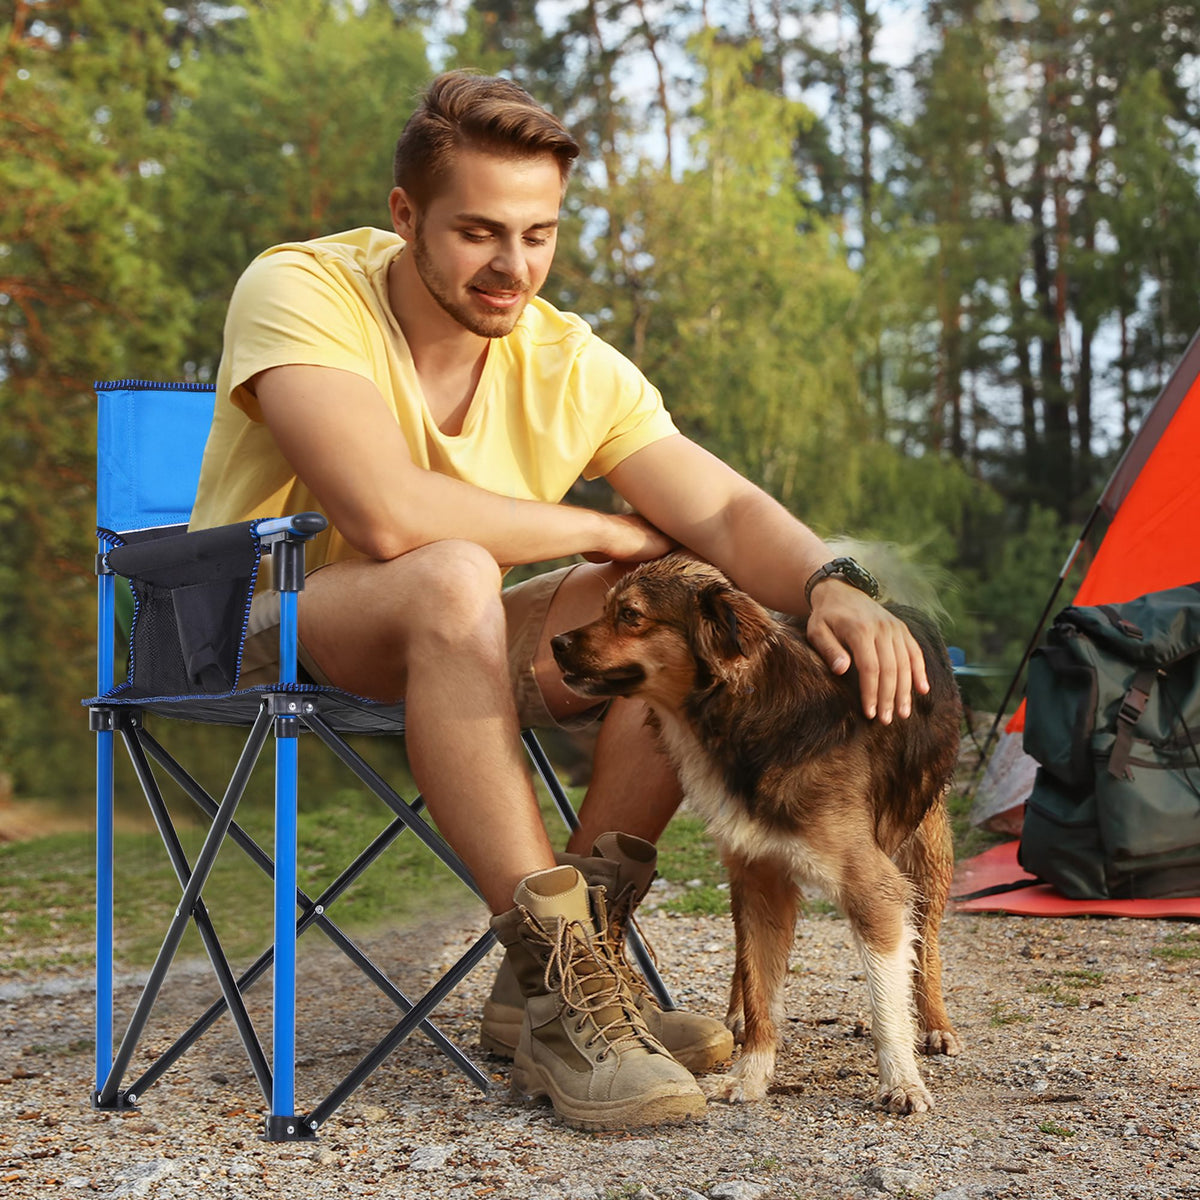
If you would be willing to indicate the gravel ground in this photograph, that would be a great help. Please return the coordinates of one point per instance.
(1078, 1080)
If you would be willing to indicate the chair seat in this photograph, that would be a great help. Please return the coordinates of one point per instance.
(343, 712)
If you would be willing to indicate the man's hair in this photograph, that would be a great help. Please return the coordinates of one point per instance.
(465, 111)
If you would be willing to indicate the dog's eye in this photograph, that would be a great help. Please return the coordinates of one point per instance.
(628, 615)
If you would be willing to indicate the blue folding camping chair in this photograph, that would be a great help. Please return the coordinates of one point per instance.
(191, 597)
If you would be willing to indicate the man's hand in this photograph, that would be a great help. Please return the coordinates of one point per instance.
(847, 625)
(631, 539)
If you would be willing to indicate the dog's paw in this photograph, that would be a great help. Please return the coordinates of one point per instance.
(733, 1088)
(941, 1041)
(904, 1099)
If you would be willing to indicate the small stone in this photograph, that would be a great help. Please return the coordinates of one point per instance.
(634, 1149)
(893, 1180)
(429, 1158)
(142, 1179)
(739, 1189)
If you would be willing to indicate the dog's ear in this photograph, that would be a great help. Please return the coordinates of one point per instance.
(729, 628)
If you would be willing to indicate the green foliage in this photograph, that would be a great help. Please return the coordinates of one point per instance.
(896, 309)
(82, 293)
(1019, 584)
(142, 169)
(285, 134)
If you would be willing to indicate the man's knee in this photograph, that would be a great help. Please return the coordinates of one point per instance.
(456, 590)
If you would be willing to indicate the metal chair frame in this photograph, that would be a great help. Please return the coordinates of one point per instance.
(285, 710)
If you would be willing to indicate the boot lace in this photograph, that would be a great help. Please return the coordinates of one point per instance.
(583, 967)
(621, 917)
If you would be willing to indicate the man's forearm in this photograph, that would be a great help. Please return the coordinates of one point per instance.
(770, 554)
(426, 507)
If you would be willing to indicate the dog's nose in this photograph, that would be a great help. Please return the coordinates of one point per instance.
(560, 643)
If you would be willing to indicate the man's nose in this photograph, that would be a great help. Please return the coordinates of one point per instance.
(508, 259)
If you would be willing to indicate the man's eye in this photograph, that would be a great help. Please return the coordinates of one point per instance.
(474, 237)
(532, 241)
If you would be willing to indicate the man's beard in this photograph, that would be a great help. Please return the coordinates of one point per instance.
(482, 324)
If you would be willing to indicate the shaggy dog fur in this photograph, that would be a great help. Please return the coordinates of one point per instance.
(798, 788)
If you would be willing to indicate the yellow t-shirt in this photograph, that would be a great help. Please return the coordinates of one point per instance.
(554, 401)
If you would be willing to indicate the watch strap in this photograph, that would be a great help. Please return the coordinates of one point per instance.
(848, 571)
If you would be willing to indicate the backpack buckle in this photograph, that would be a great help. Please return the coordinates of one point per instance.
(1133, 705)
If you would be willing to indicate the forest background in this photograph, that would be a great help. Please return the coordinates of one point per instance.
(917, 268)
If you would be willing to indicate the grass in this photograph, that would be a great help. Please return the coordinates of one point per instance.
(1066, 987)
(48, 886)
(1054, 1129)
(1000, 1016)
(1178, 946)
(686, 855)
(48, 883)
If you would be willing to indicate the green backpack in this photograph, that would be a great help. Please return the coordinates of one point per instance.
(1113, 719)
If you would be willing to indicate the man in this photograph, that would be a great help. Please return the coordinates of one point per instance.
(413, 388)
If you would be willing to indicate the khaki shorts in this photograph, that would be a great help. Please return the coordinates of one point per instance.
(525, 607)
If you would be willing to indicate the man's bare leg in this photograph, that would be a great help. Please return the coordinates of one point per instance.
(634, 790)
(430, 626)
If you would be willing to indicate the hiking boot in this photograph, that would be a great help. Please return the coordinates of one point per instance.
(583, 1042)
(624, 866)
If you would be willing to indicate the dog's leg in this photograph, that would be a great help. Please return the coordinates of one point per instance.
(928, 860)
(764, 900)
(875, 898)
(735, 1015)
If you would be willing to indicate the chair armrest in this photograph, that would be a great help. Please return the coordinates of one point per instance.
(185, 559)
(208, 555)
(300, 527)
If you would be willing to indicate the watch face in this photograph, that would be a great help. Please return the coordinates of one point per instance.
(856, 574)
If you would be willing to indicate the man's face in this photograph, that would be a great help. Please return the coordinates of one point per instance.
(483, 246)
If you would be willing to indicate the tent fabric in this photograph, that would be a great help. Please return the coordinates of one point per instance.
(999, 803)
(1152, 505)
(1153, 498)
(995, 868)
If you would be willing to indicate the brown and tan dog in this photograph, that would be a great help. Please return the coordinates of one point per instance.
(798, 788)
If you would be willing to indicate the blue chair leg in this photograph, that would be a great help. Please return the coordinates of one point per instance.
(283, 1123)
(104, 905)
(106, 598)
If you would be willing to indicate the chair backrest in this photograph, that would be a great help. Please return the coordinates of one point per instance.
(149, 442)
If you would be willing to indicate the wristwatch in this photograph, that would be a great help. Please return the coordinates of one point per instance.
(847, 570)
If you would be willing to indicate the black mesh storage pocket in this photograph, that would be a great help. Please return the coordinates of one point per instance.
(156, 665)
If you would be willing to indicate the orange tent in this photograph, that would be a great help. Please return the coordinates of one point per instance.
(1144, 535)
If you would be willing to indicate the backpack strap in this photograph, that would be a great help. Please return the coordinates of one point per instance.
(1127, 627)
(1132, 707)
(997, 890)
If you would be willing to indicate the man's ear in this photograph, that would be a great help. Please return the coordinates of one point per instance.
(404, 213)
